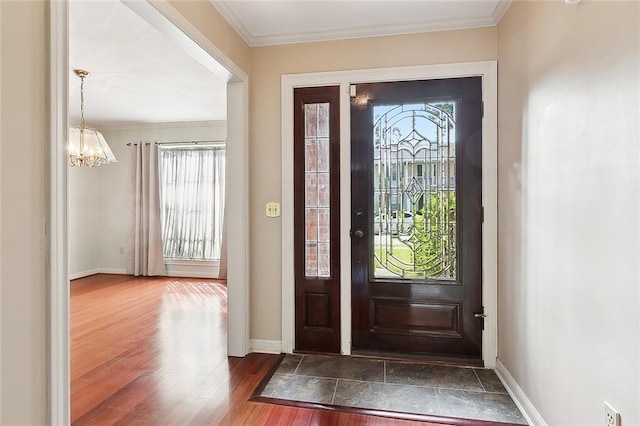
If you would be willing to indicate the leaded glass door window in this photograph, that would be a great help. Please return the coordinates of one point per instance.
(414, 183)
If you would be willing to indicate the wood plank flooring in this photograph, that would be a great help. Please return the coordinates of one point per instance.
(152, 351)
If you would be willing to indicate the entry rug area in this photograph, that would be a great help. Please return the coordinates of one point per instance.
(404, 388)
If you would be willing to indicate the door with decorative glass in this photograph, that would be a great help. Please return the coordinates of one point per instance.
(316, 213)
(416, 192)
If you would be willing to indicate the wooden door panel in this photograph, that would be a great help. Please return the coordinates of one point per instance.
(416, 153)
(317, 310)
(410, 317)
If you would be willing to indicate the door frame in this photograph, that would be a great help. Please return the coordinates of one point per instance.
(161, 15)
(488, 70)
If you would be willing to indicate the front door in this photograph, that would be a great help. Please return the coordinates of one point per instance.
(416, 199)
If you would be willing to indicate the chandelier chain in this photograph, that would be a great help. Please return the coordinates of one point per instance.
(82, 102)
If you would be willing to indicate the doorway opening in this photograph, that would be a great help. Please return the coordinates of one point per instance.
(164, 18)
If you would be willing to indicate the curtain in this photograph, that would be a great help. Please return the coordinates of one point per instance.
(192, 200)
(145, 241)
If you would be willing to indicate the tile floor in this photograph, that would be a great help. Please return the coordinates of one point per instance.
(410, 387)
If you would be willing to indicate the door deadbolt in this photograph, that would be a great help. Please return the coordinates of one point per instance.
(358, 233)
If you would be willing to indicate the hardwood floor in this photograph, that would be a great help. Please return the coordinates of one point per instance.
(153, 351)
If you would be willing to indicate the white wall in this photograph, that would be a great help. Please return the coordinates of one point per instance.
(99, 199)
(569, 214)
(85, 219)
(23, 141)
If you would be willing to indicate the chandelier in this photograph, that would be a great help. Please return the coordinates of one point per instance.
(87, 147)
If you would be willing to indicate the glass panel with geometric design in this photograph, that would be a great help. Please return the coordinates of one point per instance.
(414, 191)
(317, 191)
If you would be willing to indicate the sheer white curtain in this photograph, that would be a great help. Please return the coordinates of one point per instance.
(145, 242)
(192, 200)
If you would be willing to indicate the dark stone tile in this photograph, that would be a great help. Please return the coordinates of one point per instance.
(490, 380)
(382, 396)
(439, 376)
(289, 364)
(479, 406)
(300, 388)
(342, 368)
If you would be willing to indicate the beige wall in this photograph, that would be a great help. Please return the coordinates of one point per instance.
(269, 64)
(206, 18)
(23, 137)
(569, 190)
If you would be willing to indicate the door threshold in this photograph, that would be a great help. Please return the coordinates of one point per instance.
(416, 357)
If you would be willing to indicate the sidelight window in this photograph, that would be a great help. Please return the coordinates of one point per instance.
(317, 190)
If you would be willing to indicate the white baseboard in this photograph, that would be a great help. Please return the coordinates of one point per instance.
(112, 271)
(83, 274)
(266, 346)
(529, 411)
(178, 273)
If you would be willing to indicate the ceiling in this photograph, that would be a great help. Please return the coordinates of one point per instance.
(138, 75)
(267, 22)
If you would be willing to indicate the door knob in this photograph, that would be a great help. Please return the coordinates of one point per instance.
(358, 233)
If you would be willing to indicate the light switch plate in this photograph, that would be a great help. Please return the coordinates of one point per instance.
(273, 209)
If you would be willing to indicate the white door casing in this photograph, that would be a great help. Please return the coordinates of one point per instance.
(488, 71)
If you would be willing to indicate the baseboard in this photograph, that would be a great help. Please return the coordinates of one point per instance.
(266, 346)
(112, 271)
(529, 411)
(181, 273)
(83, 274)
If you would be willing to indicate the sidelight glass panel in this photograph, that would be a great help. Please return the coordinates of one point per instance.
(317, 191)
(414, 191)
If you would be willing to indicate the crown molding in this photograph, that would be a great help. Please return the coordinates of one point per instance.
(233, 20)
(369, 31)
(501, 8)
(261, 40)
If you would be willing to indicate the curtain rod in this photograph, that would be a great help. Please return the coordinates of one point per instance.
(219, 142)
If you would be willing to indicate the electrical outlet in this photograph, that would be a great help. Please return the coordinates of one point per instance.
(121, 250)
(611, 416)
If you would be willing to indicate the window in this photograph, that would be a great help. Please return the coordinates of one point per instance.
(192, 201)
